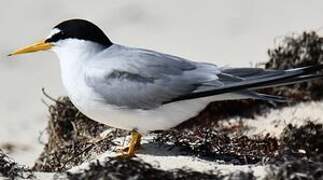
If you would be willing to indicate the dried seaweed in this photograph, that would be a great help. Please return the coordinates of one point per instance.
(300, 155)
(304, 142)
(70, 134)
(298, 169)
(307, 139)
(10, 169)
(213, 144)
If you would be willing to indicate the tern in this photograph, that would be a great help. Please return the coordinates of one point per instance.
(143, 90)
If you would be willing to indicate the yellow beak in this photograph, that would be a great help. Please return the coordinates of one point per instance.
(39, 46)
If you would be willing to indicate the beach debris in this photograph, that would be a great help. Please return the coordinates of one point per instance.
(306, 139)
(12, 170)
(70, 138)
(300, 155)
(214, 144)
(304, 169)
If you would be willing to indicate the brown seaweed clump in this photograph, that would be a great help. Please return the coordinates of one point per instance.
(298, 169)
(138, 170)
(307, 139)
(70, 138)
(298, 51)
(300, 155)
(216, 144)
(10, 169)
(304, 142)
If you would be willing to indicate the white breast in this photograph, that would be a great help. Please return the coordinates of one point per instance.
(73, 55)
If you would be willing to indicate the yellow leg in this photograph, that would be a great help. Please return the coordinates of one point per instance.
(134, 143)
(133, 146)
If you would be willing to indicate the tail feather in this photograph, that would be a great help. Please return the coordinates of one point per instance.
(299, 79)
(260, 96)
(272, 97)
(259, 81)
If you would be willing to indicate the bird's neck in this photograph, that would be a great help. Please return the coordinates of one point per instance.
(73, 53)
(73, 56)
(71, 50)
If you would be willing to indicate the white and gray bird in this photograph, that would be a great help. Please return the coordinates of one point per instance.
(144, 90)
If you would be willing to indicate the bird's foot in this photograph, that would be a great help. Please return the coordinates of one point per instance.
(126, 149)
(134, 145)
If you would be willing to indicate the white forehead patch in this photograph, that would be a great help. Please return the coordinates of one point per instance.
(53, 32)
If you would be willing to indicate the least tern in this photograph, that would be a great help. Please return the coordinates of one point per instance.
(143, 90)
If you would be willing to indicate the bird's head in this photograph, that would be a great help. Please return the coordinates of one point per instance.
(76, 30)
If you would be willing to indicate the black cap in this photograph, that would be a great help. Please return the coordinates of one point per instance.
(82, 30)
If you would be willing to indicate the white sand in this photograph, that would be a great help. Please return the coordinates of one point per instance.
(274, 122)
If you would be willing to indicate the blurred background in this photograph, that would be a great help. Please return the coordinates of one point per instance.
(227, 32)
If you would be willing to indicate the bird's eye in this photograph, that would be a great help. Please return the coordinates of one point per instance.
(60, 34)
(56, 37)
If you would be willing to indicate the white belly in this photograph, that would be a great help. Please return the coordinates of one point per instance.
(162, 118)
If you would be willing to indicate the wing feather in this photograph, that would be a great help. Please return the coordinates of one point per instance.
(143, 79)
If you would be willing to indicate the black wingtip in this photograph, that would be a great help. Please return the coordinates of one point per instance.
(313, 68)
(279, 99)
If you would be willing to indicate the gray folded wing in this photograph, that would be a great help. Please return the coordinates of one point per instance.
(143, 79)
